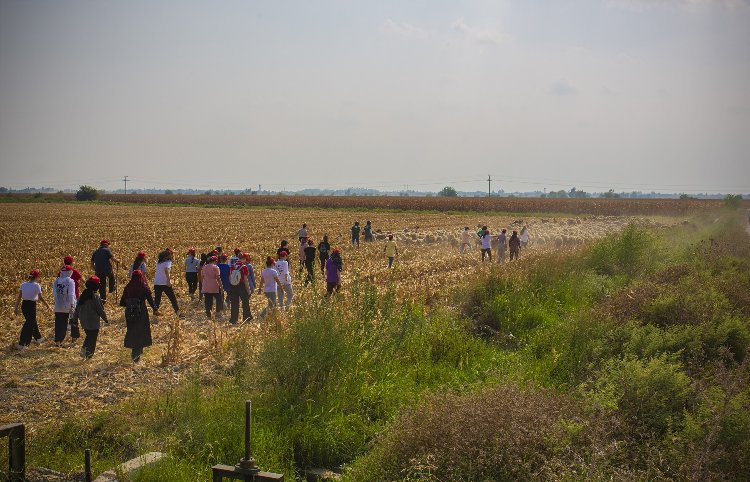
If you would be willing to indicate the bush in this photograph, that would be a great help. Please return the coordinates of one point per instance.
(448, 191)
(733, 201)
(86, 193)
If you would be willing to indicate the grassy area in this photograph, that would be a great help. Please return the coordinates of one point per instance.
(625, 360)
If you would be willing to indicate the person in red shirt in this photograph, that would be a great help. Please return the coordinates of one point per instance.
(76, 276)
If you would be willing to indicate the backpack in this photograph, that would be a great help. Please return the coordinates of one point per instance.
(235, 277)
(323, 248)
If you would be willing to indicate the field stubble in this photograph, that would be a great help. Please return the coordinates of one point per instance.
(42, 382)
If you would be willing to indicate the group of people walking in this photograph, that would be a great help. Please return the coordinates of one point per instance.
(218, 279)
(503, 243)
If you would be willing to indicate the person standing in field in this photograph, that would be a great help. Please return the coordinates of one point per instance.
(334, 266)
(368, 232)
(390, 250)
(89, 312)
(163, 281)
(514, 245)
(224, 270)
(28, 295)
(240, 288)
(138, 263)
(192, 265)
(502, 245)
(212, 286)
(486, 243)
(465, 240)
(203, 262)
(235, 257)
(324, 247)
(302, 246)
(285, 278)
(64, 291)
(302, 233)
(524, 237)
(76, 276)
(101, 265)
(285, 247)
(355, 234)
(134, 297)
(269, 281)
(310, 261)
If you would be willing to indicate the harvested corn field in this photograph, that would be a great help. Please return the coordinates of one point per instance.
(41, 381)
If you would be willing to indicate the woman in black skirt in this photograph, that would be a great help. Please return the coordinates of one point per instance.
(134, 298)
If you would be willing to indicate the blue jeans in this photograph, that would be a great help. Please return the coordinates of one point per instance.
(390, 261)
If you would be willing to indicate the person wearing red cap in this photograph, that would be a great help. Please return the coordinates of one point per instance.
(334, 266)
(64, 291)
(269, 280)
(89, 312)
(235, 257)
(76, 276)
(240, 287)
(192, 265)
(101, 265)
(211, 278)
(163, 281)
(310, 252)
(139, 263)
(28, 295)
(135, 295)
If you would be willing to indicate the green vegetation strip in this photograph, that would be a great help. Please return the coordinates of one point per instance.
(625, 360)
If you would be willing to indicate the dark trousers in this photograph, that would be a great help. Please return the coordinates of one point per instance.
(104, 279)
(61, 327)
(167, 290)
(237, 293)
(30, 327)
(323, 259)
(135, 353)
(310, 274)
(514, 254)
(89, 343)
(209, 302)
(192, 282)
(332, 287)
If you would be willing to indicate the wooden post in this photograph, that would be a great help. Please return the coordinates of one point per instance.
(16, 434)
(87, 465)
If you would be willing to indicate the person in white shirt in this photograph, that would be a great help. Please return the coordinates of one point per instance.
(64, 291)
(486, 243)
(285, 278)
(524, 236)
(192, 265)
(302, 233)
(28, 295)
(269, 281)
(502, 245)
(163, 283)
(466, 237)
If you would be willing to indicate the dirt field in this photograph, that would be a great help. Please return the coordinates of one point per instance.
(43, 381)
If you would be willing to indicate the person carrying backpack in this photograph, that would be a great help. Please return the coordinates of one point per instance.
(285, 281)
(64, 290)
(89, 312)
(240, 289)
(135, 295)
(76, 276)
(101, 265)
(323, 252)
(28, 295)
(192, 265)
(355, 233)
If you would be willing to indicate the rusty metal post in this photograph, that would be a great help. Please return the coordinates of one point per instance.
(247, 463)
(16, 434)
(87, 465)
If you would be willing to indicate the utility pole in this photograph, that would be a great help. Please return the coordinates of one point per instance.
(489, 185)
(125, 179)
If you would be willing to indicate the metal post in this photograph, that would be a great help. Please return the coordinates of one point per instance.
(489, 185)
(16, 451)
(87, 465)
(247, 463)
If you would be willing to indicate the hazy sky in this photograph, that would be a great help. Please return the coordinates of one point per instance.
(628, 94)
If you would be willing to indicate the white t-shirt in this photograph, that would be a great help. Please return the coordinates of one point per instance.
(269, 280)
(282, 267)
(30, 291)
(161, 275)
(466, 237)
(486, 241)
(525, 236)
(302, 233)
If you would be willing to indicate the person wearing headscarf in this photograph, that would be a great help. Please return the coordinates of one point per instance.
(28, 295)
(211, 277)
(135, 295)
(89, 312)
(334, 265)
(138, 263)
(192, 265)
(514, 245)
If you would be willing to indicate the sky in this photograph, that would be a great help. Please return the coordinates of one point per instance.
(647, 95)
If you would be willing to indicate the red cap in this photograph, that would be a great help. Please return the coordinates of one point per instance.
(35, 273)
(215, 253)
(95, 279)
(68, 260)
(245, 256)
(141, 254)
(336, 250)
(283, 254)
(191, 251)
(105, 241)
(169, 250)
(213, 258)
(67, 268)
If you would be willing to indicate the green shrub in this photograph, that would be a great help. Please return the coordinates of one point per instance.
(733, 201)
(86, 193)
(623, 253)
